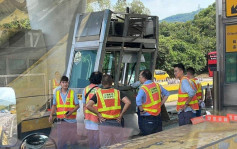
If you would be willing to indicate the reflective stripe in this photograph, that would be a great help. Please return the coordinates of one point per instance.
(89, 112)
(57, 98)
(183, 95)
(66, 106)
(150, 110)
(71, 98)
(110, 116)
(64, 112)
(183, 103)
(199, 92)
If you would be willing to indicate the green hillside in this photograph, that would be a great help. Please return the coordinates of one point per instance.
(184, 17)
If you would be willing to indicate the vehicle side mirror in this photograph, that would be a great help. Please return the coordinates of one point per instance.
(38, 141)
(8, 123)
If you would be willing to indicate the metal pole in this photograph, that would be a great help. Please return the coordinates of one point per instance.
(216, 98)
(219, 48)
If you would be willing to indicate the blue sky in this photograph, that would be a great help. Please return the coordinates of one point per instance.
(166, 8)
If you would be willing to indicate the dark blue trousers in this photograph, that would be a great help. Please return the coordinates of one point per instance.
(185, 117)
(150, 124)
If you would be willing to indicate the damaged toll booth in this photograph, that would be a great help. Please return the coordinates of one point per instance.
(119, 44)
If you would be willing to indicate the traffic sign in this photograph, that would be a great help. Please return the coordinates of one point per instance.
(231, 38)
(231, 8)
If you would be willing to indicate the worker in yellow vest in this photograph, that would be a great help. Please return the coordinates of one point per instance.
(56, 80)
(149, 101)
(198, 88)
(185, 105)
(66, 103)
(91, 119)
(109, 111)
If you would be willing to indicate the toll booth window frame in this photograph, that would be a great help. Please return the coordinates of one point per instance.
(83, 66)
(110, 64)
(231, 67)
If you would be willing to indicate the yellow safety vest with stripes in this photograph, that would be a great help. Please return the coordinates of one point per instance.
(153, 98)
(183, 97)
(62, 107)
(198, 87)
(88, 114)
(108, 103)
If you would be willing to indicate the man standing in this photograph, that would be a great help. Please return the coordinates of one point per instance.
(66, 103)
(91, 119)
(109, 111)
(149, 101)
(198, 88)
(186, 93)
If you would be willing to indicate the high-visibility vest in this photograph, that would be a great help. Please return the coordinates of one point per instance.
(183, 97)
(55, 83)
(88, 114)
(62, 107)
(108, 103)
(153, 98)
(198, 87)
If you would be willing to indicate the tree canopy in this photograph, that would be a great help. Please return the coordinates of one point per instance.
(187, 42)
(136, 6)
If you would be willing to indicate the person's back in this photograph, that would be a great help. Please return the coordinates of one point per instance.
(109, 112)
(91, 119)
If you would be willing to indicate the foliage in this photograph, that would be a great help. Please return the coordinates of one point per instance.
(136, 6)
(98, 5)
(17, 24)
(10, 29)
(187, 42)
(120, 6)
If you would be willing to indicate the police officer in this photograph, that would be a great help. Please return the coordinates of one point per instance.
(109, 111)
(149, 101)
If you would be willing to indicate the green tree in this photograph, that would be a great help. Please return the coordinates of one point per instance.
(138, 7)
(187, 42)
(98, 5)
(120, 6)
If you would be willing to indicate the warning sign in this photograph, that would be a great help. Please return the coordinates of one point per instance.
(231, 8)
(231, 38)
